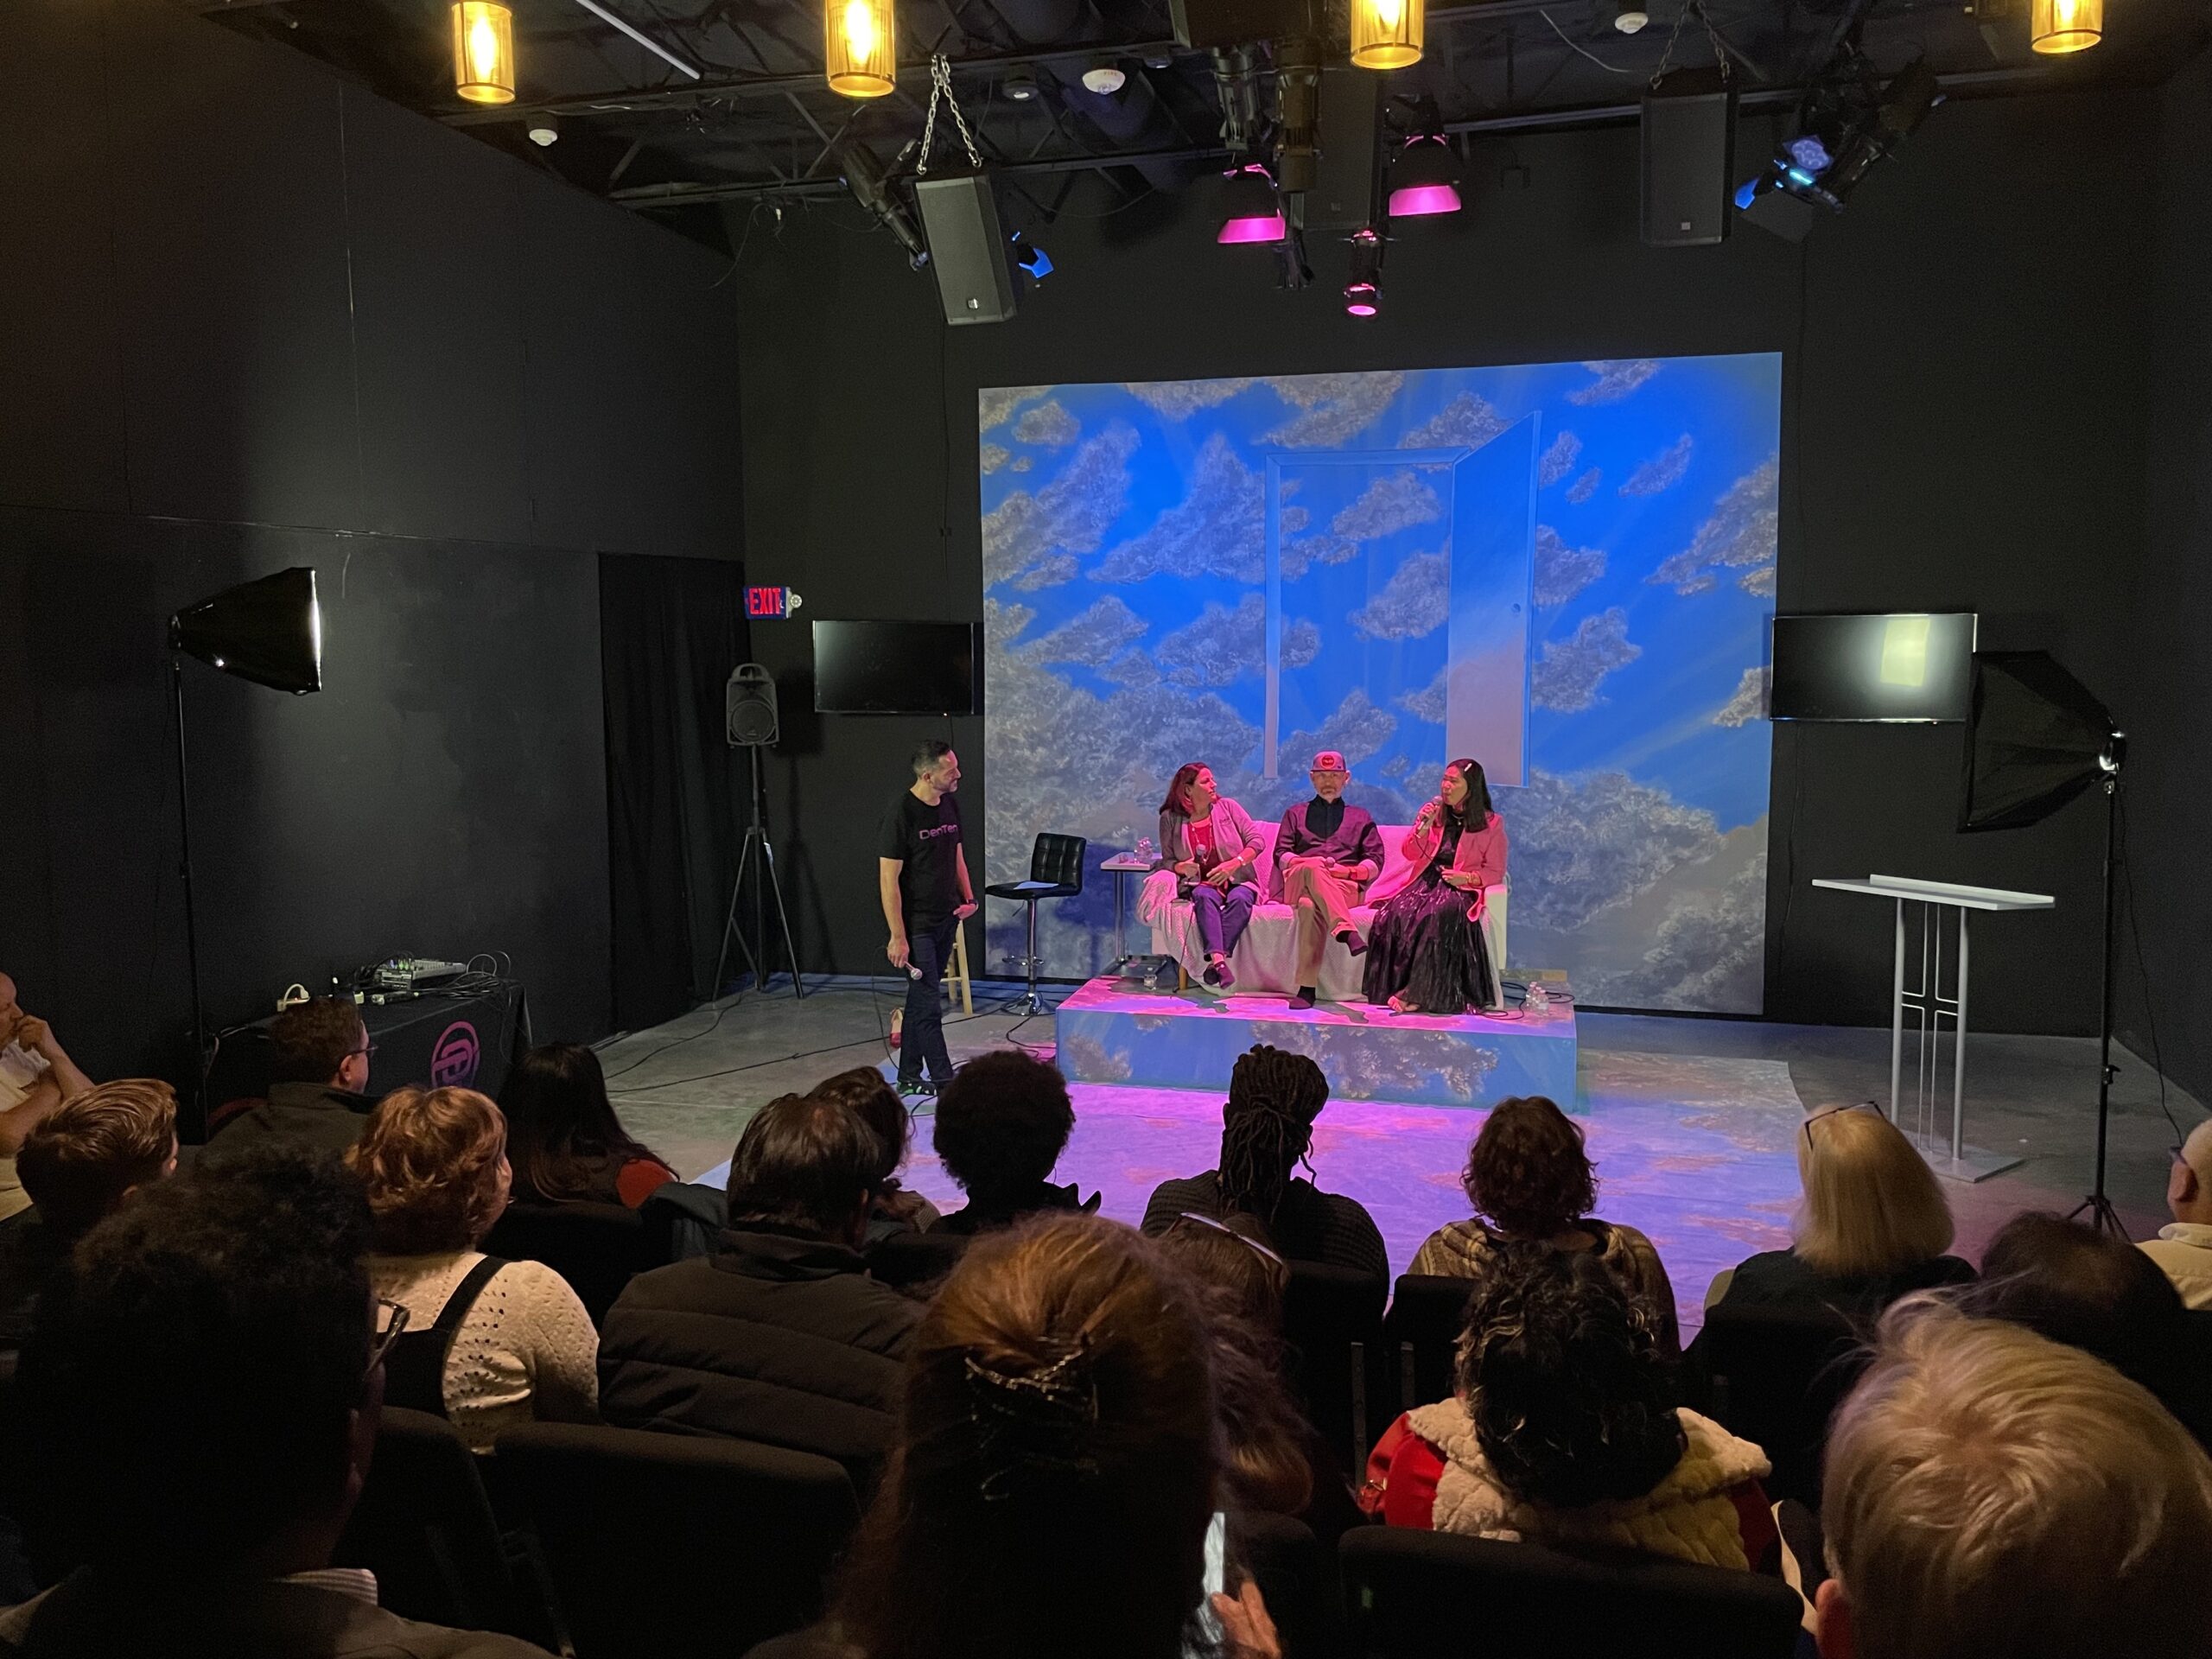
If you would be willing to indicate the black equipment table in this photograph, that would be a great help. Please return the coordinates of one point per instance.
(436, 1039)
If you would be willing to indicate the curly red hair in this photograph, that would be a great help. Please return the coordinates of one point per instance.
(430, 1158)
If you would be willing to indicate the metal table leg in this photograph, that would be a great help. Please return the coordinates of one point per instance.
(1897, 1021)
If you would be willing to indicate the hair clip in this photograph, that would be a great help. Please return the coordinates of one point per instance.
(1033, 1425)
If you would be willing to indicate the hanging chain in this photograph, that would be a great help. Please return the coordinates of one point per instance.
(941, 93)
(1712, 34)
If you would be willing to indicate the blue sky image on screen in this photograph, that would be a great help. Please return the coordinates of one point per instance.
(1565, 571)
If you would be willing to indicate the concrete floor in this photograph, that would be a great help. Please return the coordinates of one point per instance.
(688, 1088)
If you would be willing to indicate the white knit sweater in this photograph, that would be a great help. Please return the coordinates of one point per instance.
(525, 1351)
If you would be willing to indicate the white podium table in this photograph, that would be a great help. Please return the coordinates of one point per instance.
(1930, 1006)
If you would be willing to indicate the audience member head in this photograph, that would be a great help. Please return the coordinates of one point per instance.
(92, 1152)
(562, 1131)
(1267, 1128)
(1871, 1205)
(2189, 1188)
(1053, 1471)
(1002, 1124)
(2072, 1284)
(322, 1041)
(200, 1374)
(434, 1162)
(1238, 1281)
(807, 1166)
(1526, 1173)
(1990, 1491)
(1571, 1400)
(863, 1090)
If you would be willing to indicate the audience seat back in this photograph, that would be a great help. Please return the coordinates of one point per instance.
(1777, 1375)
(1297, 1577)
(1427, 1595)
(597, 1247)
(907, 1261)
(661, 1545)
(1332, 1327)
(425, 1526)
(1422, 1332)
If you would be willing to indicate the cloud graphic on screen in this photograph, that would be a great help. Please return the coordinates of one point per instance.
(1760, 581)
(1397, 766)
(1584, 486)
(1291, 520)
(995, 404)
(1662, 471)
(1558, 459)
(1023, 463)
(1357, 728)
(1219, 528)
(1414, 602)
(1563, 571)
(1003, 623)
(1224, 645)
(1709, 951)
(1299, 555)
(1131, 668)
(994, 456)
(1617, 378)
(1568, 676)
(1071, 514)
(1429, 704)
(1585, 844)
(1048, 424)
(1092, 639)
(1391, 503)
(1337, 406)
(1180, 399)
(1737, 535)
(1048, 573)
(1749, 703)
(1466, 422)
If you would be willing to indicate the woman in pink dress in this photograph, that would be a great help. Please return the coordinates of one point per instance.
(1425, 953)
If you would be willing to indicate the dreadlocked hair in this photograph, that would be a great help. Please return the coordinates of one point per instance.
(1267, 1128)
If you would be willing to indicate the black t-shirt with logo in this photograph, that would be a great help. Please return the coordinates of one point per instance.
(926, 840)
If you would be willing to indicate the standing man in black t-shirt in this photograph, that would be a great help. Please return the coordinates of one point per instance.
(921, 873)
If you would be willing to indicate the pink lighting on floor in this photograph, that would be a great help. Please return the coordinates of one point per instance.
(1416, 201)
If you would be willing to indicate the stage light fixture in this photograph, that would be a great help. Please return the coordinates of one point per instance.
(1425, 178)
(1387, 33)
(2060, 26)
(1628, 17)
(1848, 119)
(1105, 78)
(544, 131)
(864, 176)
(1251, 212)
(1021, 87)
(1030, 259)
(483, 52)
(1363, 293)
(861, 55)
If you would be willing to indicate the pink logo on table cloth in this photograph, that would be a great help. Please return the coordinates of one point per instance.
(454, 1060)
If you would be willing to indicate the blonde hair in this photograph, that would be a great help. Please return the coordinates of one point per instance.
(430, 1160)
(1871, 1205)
(1990, 1491)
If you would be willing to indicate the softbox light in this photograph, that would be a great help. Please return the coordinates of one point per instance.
(2036, 738)
(269, 632)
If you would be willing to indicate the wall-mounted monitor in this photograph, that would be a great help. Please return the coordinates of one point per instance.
(897, 668)
(1912, 666)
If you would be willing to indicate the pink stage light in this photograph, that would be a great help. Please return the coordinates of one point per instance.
(1416, 201)
(1361, 300)
(1257, 228)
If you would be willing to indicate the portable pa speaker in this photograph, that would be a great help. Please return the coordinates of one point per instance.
(960, 216)
(1689, 151)
(749, 706)
(1344, 185)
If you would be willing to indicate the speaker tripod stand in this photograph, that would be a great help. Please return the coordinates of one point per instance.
(758, 856)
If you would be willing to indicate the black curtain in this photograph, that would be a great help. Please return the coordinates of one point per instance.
(670, 631)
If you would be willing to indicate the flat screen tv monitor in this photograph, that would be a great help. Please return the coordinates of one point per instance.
(897, 668)
(1909, 666)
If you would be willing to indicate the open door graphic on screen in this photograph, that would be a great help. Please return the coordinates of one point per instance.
(1428, 555)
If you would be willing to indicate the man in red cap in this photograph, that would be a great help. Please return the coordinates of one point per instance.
(1327, 852)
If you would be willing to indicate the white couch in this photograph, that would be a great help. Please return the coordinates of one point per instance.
(1266, 958)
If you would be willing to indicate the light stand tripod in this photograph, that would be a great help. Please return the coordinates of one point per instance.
(2097, 1208)
(758, 855)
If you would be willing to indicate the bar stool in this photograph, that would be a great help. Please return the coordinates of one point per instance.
(1055, 872)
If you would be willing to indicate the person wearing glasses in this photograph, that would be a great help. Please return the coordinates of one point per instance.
(1327, 852)
(2184, 1249)
(319, 1055)
(1873, 1224)
(206, 1395)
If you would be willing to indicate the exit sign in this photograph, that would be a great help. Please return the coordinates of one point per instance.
(771, 602)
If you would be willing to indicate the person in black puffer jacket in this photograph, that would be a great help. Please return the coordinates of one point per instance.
(780, 1337)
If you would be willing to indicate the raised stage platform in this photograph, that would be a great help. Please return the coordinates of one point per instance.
(1108, 1033)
